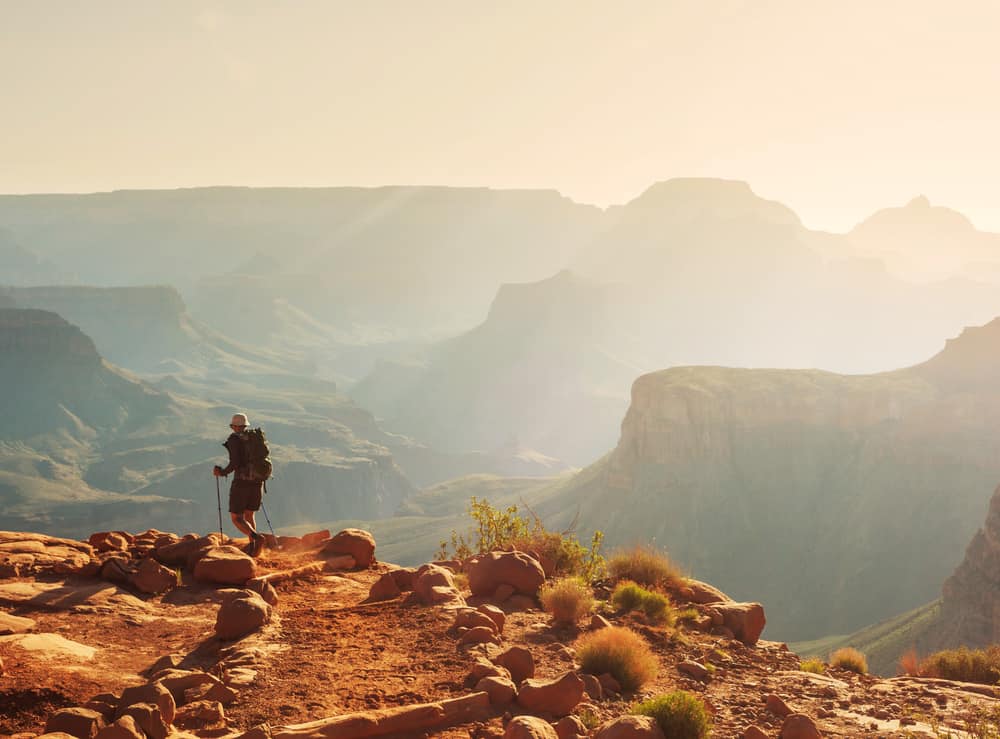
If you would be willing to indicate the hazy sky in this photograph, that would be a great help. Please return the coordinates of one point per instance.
(835, 108)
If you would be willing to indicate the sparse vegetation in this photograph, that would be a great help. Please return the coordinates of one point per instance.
(909, 663)
(679, 714)
(629, 596)
(504, 529)
(567, 600)
(967, 665)
(643, 564)
(813, 664)
(851, 659)
(621, 652)
(461, 580)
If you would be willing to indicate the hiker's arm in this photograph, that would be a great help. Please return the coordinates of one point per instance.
(233, 461)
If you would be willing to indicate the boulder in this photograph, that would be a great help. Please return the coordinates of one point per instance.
(496, 614)
(592, 686)
(630, 727)
(241, 615)
(598, 622)
(385, 588)
(695, 591)
(152, 577)
(799, 726)
(484, 668)
(79, 722)
(218, 693)
(777, 706)
(154, 693)
(470, 618)
(501, 690)
(609, 684)
(693, 669)
(355, 542)
(480, 635)
(226, 566)
(754, 732)
(148, 719)
(264, 589)
(503, 593)
(123, 728)
(529, 727)
(315, 538)
(404, 577)
(570, 727)
(519, 662)
(117, 570)
(516, 569)
(430, 577)
(187, 551)
(108, 541)
(557, 697)
(745, 620)
(201, 715)
(10, 624)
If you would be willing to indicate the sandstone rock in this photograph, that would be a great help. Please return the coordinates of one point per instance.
(500, 690)
(597, 622)
(520, 602)
(754, 732)
(79, 722)
(241, 616)
(10, 624)
(226, 566)
(385, 588)
(746, 620)
(148, 719)
(27, 555)
(216, 692)
(503, 593)
(592, 686)
(480, 635)
(355, 542)
(404, 577)
(123, 728)
(315, 538)
(452, 564)
(517, 569)
(694, 669)
(260, 731)
(529, 727)
(201, 715)
(519, 662)
(777, 706)
(694, 591)
(799, 726)
(630, 727)
(186, 552)
(496, 614)
(153, 693)
(557, 697)
(152, 577)
(484, 668)
(117, 569)
(608, 684)
(166, 662)
(570, 727)
(470, 618)
(109, 541)
(435, 585)
(105, 707)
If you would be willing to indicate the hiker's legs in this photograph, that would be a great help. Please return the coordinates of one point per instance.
(248, 516)
(241, 523)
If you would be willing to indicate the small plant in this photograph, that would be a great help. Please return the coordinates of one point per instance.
(655, 606)
(590, 719)
(813, 664)
(621, 652)
(909, 663)
(679, 714)
(849, 658)
(643, 564)
(967, 665)
(461, 581)
(688, 614)
(567, 600)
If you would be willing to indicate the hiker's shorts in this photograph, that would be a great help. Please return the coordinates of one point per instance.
(244, 495)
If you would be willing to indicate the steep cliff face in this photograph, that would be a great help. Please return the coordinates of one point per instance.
(837, 500)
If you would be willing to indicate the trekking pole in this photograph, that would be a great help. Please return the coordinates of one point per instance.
(269, 525)
(218, 497)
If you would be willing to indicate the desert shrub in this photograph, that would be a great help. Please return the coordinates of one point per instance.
(909, 663)
(567, 600)
(813, 665)
(680, 714)
(643, 564)
(619, 651)
(504, 529)
(967, 665)
(629, 596)
(849, 658)
(461, 580)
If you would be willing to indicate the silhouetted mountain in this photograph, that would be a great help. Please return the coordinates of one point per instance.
(19, 266)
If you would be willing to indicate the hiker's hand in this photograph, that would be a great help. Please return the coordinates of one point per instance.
(217, 471)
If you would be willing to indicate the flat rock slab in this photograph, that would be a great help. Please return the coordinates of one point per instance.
(91, 597)
(10, 624)
(50, 646)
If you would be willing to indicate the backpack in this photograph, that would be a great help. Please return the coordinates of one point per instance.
(257, 454)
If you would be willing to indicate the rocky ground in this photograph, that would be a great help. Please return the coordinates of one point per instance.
(307, 641)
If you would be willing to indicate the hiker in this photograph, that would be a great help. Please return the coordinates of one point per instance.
(245, 491)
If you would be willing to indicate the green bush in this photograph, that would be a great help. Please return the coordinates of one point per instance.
(849, 658)
(629, 596)
(645, 565)
(813, 665)
(964, 664)
(567, 600)
(680, 714)
(621, 652)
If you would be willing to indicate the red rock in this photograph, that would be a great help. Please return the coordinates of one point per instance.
(754, 732)
(385, 588)
(597, 622)
(557, 697)
(187, 551)
(529, 727)
(154, 693)
(354, 542)
(695, 591)
(123, 728)
(480, 635)
(746, 620)
(593, 687)
(201, 714)
(226, 566)
(693, 669)
(503, 593)
(148, 719)
(609, 684)
(430, 577)
(777, 706)
(241, 615)
(471, 618)
(152, 577)
(404, 577)
(315, 538)
(500, 690)
(519, 662)
(497, 615)
(517, 569)
(630, 727)
(570, 727)
(79, 722)
(799, 726)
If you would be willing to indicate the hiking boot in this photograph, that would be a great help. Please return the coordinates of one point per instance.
(256, 545)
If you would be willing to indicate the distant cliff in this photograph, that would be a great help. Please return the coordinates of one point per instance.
(838, 500)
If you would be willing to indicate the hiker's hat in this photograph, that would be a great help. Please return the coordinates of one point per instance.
(240, 419)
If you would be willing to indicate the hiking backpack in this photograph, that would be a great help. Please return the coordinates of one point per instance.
(257, 454)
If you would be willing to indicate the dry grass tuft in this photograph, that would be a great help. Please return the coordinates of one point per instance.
(964, 664)
(909, 663)
(680, 714)
(657, 608)
(849, 658)
(567, 600)
(621, 652)
(813, 664)
(645, 565)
